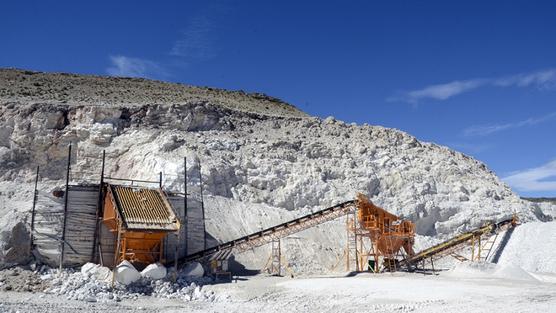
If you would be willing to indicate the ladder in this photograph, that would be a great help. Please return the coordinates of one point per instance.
(275, 265)
(389, 255)
(487, 248)
(352, 255)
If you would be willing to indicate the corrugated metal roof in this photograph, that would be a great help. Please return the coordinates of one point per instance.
(144, 208)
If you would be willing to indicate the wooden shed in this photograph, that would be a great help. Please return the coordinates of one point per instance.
(140, 219)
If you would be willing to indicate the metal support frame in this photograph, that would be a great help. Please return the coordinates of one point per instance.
(280, 231)
(183, 221)
(117, 251)
(488, 246)
(476, 242)
(66, 194)
(473, 248)
(184, 224)
(390, 258)
(202, 207)
(133, 180)
(276, 265)
(96, 244)
(284, 231)
(352, 255)
(35, 193)
(451, 246)
(375, 256)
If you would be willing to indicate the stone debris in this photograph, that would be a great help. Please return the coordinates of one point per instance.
(93, 283)
(88, 285)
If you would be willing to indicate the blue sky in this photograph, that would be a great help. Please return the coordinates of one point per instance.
(478, 77)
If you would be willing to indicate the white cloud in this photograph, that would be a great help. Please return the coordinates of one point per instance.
(195, 41)
(135, 67)
(545, 79)
(444, 91)
(483, 130)
(542, 178)
(541, 79)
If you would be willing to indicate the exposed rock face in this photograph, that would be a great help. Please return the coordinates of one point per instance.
(14, 242)
(277, 156)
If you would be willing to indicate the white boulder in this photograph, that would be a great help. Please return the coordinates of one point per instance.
(154, 271)
(194, 270)
(126, 273)
(96, 271)
(88, 268)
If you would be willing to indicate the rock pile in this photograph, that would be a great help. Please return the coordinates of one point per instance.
(88, 285)
(93, 283)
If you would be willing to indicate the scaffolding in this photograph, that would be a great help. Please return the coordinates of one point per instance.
(66, 225)
(276, 264)
(377, 238)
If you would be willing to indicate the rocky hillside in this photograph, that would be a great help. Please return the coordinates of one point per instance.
(262, 159)
(37, 87)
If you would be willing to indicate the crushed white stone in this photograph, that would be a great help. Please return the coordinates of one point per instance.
(91, 287)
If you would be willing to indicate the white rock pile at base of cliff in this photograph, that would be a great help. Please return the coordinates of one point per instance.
(93, 284)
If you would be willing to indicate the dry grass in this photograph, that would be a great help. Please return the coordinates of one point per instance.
(32, 86)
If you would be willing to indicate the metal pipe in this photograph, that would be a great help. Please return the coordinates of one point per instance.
(202, 207)
(185, 202)
(133, 180)
(117, 251)
(63, 243)
(96, 248)
(33, 209)
(160, 180)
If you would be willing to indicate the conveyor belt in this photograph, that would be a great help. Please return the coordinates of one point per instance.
(276, 232)
(456, 242)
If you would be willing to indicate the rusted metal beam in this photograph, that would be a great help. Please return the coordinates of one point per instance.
(99, 209)
(184, 223)
(133, 180)
(66, 194)
(202, 207)
(33, 209)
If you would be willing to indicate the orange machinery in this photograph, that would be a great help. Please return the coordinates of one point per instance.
(387, 233)
(139, 218)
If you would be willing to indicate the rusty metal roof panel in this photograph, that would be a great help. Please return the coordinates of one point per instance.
(144, 208)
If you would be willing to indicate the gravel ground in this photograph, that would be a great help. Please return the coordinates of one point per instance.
(23, 302)
(397, 292)
(21, 279)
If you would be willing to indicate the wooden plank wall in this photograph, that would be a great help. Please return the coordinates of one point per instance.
(80, 226)
(49, 216)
